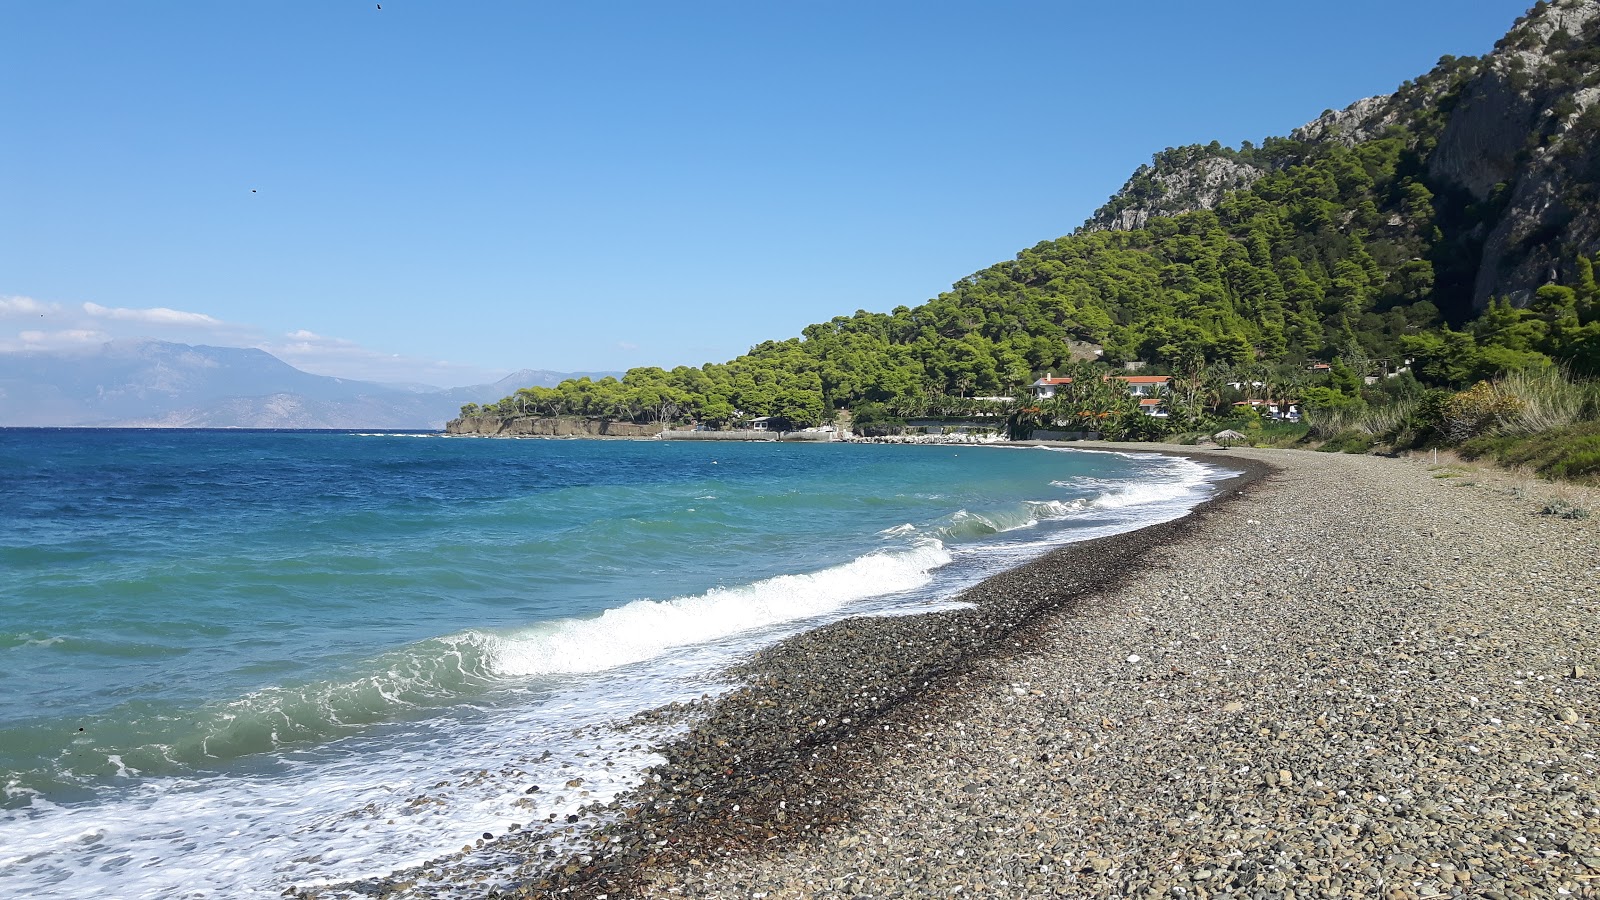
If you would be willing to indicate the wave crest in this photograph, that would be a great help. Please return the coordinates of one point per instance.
(443, 671)
(644, 629)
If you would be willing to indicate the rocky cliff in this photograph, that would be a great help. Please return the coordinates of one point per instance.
(1509, 142)
(1181, 180)
(1523, 138)
(527, 426)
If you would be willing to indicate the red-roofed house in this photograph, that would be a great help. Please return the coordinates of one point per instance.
(1045, 388)
(1138, 385)
(1146, 387)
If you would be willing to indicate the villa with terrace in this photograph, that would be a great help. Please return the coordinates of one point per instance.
(1150, 390)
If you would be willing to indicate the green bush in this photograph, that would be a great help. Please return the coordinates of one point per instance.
(1423, 427)
(1572, 452)
(1478, 410)
(1579, 465)
(874, 414)
(1283, 434)
(1493, 446)
(1350, 441)
(1330, 412)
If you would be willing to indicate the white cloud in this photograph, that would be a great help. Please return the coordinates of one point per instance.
(627, 345)
(25, 306)
(55, 340)
(311, 338)
(53, 326)
(155, 315)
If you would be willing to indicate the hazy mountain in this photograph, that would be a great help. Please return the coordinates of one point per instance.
(159, 384)
(525, 378)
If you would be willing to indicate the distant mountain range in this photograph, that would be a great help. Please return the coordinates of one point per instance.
(163, 385)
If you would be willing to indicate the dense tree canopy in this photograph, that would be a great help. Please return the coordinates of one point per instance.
(1335, 252)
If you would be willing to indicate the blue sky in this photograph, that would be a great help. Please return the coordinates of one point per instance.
(445, 192)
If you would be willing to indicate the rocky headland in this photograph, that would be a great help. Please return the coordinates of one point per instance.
(1514, 151)
(553, 426)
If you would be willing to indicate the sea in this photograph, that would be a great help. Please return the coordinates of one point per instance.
(237, 662)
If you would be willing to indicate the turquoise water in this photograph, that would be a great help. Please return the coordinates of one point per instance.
(225, 653)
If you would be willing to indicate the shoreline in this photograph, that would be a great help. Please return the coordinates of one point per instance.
(1294, 690)
(730, 780)
(1357, 677)
(772, 756)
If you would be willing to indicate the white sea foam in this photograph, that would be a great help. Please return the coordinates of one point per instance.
(28, 640)
(1158, 483)
(392, 796)
(362, 809)
(644, 629)
(1056, 509)
(1165, 484)
(123, 769)
(387, 798)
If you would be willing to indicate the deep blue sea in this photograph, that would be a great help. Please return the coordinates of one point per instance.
(232, 662)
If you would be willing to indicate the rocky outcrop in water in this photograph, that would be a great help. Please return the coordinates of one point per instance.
(527, 426)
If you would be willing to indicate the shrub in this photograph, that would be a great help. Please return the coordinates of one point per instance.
(1572, 452)
(1544, 399)
(1578, 465)
(874, 414)
(1493, 446)
(1283, 434)
(1480, 409)
(1350, 441)
(1330, 412)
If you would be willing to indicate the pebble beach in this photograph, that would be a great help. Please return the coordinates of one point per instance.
(1347, 676)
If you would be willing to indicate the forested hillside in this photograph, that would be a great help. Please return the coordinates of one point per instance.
(1454, 223)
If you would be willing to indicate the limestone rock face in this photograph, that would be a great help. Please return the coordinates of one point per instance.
(527, 426)
(1479, 146)
(1084, 351)
(1201, 185)
(1513, 138)
(1515, 133)
(1362, 120)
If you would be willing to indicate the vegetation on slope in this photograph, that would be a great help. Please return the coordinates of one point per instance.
(1340, 251)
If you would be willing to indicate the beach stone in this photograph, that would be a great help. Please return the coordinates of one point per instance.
(1304, 719)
